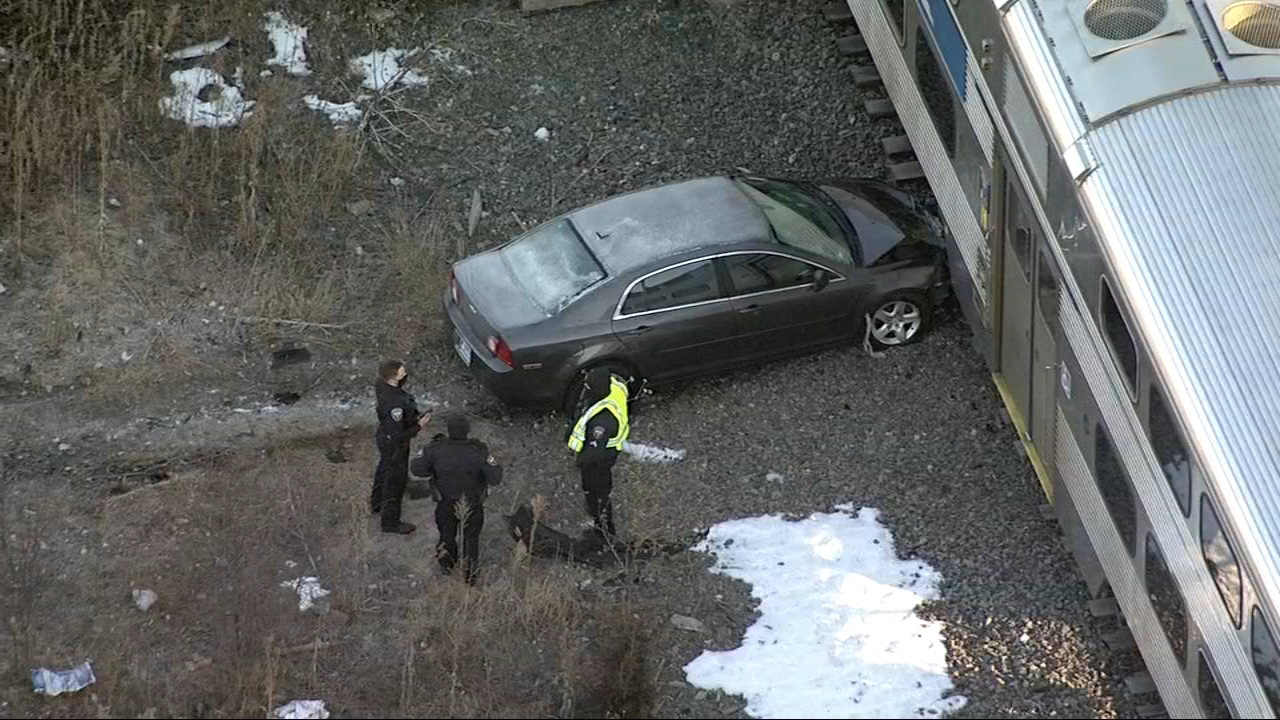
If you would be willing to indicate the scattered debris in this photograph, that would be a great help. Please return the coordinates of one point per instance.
(198, 50)
(360, 207)
(290, 356)
(444, 56)
(309, 591)
(286, 397)
(652, 453)
(773, 477)
(335, 456)
(226, 108)
(590, 548)
(381, 69)
(56, 682)
(474, 219)
(3, 289)
(144, 599)
(397, 181)
(63, 447)
(684, 622)
(290, 44)
(339, 113)
(305, 709)
(542, 134)
(866, 340)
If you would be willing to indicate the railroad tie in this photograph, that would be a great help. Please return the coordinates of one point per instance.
(1104, 607)
(852, 45)
(896, 145)
(1119, 640)
(1140, 683)
(837, 12)
(879, 107)
(906, 171)
(865, 75)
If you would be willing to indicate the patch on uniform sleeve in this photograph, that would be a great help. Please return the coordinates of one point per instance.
(397, 414)
(597, 432)
(491, 461)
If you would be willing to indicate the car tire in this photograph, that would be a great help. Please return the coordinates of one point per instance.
(572, 404)
(899, 318)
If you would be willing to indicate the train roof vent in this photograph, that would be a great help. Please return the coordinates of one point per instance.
(1247, 27)
(1110, 25)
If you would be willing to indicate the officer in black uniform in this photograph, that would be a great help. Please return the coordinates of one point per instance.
(462, 471)
(398, 422)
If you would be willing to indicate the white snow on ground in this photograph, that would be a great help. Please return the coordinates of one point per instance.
(651, 453)
(339, 113)
(309, 591)
(199, 50)
(838, 636)
(302, 709)
(290, 44)
(226, 108)
(382, 68)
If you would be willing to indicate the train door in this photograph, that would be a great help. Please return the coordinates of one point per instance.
(1017, 299)
(1044, 368)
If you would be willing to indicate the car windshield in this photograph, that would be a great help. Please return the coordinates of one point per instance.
(798, 218)
(552, 265)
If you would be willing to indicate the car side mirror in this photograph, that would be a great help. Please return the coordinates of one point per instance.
(820, 279)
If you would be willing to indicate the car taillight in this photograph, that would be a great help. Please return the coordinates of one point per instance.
(453, 287)
(501, 350)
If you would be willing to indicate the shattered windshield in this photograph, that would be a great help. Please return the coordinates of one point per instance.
(799, 219)
(552, 265)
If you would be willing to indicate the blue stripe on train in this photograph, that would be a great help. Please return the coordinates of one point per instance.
(946, 34)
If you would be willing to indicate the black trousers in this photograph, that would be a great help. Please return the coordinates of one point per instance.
(597, 484)
(454, 515)
(389, 480)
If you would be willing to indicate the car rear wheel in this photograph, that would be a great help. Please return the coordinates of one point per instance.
(900, 319)
(573, 404)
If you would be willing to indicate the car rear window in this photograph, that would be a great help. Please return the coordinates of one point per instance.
(552, 265)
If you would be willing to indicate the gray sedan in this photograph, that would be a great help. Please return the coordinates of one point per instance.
(692, 278)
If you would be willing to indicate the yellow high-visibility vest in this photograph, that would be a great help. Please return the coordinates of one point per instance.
(616, 403)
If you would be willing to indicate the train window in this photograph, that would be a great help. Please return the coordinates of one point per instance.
(935, 87)
(1171, 451)
(1113, 483)
(1167, 601)
(897, 12)
(1211, 701)
(1119, 337)
(1047, 290)
(1220, 558)
(1266, 659)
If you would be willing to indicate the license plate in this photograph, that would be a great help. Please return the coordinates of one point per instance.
(464, 350)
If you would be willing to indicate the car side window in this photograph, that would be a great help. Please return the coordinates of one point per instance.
(681, 285)
(765, 271)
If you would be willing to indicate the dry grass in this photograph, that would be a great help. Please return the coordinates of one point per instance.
(112, 216)
(215, 542)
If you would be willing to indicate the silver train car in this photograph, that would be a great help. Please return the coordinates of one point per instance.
(1109, 172)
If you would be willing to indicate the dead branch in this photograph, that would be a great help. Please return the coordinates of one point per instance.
(296, 323)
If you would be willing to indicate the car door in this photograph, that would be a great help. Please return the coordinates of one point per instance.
(780, 310)
(677, 321)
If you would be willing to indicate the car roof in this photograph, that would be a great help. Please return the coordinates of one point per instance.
(630, 231)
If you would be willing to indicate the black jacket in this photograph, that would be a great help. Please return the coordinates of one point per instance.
(600, 428)
(397, 415)
(459, 468)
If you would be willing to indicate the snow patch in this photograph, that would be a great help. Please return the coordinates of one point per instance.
(302, 709)
(339, 113)
(198, 50)
(542, 134)
(836, 602)
(225, 108)
(309, 591)
(652, 453)
(290, 44)
(381, 69)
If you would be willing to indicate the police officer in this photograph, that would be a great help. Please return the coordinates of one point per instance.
(398, 422)
(597, 439)
(462, 470)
